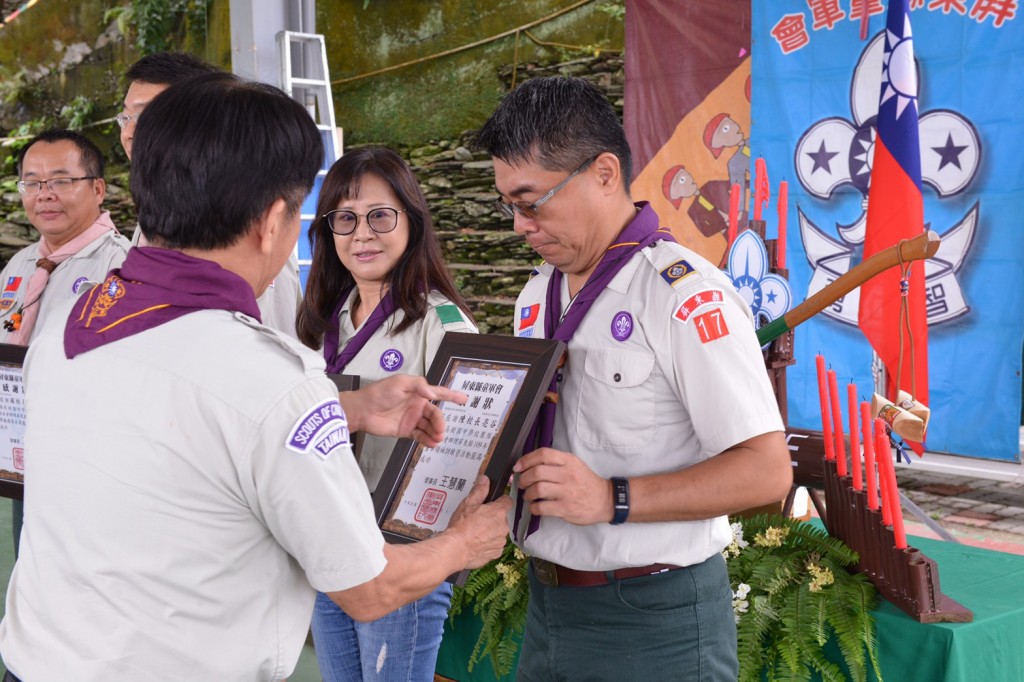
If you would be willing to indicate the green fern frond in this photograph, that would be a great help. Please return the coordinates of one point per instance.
(786, 625)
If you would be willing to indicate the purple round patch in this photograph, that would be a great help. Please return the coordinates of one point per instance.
(77, 286)
(622, 325)
(391, 360)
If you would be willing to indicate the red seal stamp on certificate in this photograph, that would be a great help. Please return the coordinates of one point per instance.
(18, 455)
(430, 506)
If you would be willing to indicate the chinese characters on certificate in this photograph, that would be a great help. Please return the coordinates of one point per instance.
(12, 422)
(442, 477)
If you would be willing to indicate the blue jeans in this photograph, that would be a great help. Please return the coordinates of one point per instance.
(400, 647)
(677, 625)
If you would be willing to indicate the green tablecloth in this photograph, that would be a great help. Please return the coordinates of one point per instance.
(456, 648)
(990, 649)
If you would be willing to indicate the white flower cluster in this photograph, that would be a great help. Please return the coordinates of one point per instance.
(737, 544)
(739, 600)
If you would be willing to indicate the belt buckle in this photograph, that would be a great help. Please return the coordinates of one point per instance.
(546, 572)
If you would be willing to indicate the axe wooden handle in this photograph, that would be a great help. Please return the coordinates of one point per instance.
(921, 247)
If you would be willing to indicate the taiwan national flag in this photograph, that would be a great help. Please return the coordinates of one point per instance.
(895, 213)
(528, 316)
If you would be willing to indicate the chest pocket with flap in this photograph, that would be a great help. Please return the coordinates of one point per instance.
(617, 399)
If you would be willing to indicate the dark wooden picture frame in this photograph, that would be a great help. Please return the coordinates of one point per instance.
(12, 357)
(349, 382)
(345, 382)
(530, 363)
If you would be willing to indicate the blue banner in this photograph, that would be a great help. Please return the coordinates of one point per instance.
(817, 70)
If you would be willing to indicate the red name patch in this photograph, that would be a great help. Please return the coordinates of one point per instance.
(698, 300)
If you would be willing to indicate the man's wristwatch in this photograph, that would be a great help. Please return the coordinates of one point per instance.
(620, 498)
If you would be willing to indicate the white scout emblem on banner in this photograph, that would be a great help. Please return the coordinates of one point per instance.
(835, 152)
(767, 294)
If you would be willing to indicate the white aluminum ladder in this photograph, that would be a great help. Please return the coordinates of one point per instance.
(304, 77)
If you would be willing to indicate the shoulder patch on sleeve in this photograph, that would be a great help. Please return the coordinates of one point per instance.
(322, 429)
(701, 299)
(449, 313)
(677, 271)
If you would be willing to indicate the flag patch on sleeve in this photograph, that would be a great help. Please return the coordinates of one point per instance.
(528, 318)
(700, 299)
(322, 429)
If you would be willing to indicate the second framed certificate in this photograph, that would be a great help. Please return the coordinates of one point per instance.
(506, 379)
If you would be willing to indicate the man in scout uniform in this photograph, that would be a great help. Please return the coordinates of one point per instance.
(61, 185)
(147, 78)
(185, 539)
(660, 423)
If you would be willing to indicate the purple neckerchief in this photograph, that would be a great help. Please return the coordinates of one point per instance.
(153, 286)
(336, 362)
(641, 232)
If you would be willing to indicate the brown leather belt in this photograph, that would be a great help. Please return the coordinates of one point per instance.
(553, 575)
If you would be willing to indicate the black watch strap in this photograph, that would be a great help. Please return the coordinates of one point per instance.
(620, 498)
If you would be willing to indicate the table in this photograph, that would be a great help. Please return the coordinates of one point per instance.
(990, 649)
(989, 583)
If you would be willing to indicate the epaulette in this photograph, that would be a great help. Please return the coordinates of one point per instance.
(672, 268)
(312, 362)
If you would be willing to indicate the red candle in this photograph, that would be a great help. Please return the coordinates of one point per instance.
(885, 462)
(826, 428)
(869, 456)
(851, 403)
(881, 447)
(783, 208)
(734, 214)
(760, 186)
(837, 424)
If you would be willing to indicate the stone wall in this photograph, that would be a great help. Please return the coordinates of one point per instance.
(489, 261)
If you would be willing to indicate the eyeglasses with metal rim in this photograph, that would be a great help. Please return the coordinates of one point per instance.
(124, 118)
(55, 185)
(529, 209)
(343, 222)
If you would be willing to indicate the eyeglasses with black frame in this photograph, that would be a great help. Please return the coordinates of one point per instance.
(530, 209)
(343, 222)
(56, 185)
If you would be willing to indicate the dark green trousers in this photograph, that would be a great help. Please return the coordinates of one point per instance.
(677, 625)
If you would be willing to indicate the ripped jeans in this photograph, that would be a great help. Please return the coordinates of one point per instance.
(400, 647)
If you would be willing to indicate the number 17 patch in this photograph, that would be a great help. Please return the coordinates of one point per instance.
(711, 325)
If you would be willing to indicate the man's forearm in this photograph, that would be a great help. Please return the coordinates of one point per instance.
(750, 474)
(413, 570)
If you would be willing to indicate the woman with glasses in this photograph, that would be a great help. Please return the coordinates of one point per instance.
(378, 301)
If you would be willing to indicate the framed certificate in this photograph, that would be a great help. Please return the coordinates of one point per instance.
(345, 382)
(12, 421)
(349, 382)
(506, 379)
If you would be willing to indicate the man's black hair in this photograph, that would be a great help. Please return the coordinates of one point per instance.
(168, 68)
(90, 155)
(212, 154)
(558, 122)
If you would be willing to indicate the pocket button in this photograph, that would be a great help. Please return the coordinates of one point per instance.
(617, 377)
